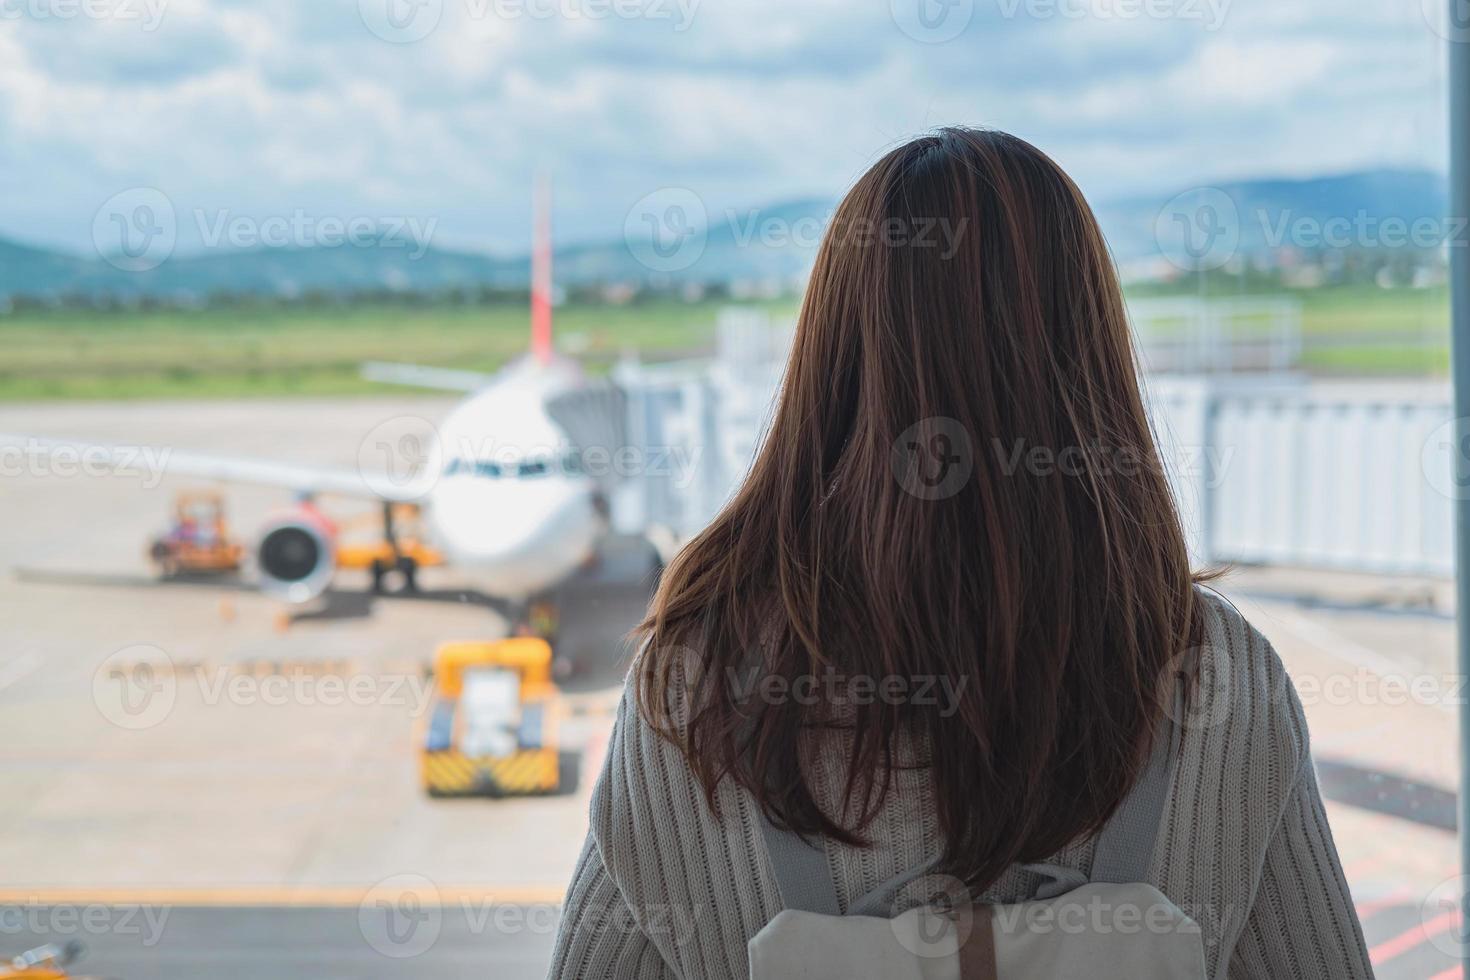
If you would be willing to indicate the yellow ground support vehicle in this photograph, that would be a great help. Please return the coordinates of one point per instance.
(494, 726)
(199, 540)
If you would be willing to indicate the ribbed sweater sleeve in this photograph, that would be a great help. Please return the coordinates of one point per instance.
(599, 935)
(1302, 921)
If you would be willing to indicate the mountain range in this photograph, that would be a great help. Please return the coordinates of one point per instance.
(772, 243)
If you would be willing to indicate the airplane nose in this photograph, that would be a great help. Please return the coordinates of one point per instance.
(488, 523)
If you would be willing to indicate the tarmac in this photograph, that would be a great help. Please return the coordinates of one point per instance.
(200, 781)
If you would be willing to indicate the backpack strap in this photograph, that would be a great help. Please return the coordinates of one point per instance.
(879, 900)
(1125, 847)
(805, 879)
(802, 874)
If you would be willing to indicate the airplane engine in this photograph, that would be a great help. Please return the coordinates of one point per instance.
(297, 555)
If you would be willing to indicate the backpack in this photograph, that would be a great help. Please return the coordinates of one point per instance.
(1107, 926)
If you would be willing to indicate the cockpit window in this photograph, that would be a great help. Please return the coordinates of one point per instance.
(568, 462)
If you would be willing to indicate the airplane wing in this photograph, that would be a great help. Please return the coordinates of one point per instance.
(156, 461)
(418, 376)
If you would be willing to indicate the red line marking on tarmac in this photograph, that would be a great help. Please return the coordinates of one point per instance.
(1395, 897)
(1453, 973)
(1414, 937)
(1365, 866)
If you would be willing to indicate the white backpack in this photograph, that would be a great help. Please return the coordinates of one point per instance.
(1110, 926)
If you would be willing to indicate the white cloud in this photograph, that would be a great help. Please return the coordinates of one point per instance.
(274, 105)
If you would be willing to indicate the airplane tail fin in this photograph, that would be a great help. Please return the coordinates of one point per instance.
(541, 272)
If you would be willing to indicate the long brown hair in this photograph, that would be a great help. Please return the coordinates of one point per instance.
(959, 483)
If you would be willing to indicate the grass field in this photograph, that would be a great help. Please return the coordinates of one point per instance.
(237, 353)
(316, 351)
(1361, 329)
(1348, 311)
(1401, 331)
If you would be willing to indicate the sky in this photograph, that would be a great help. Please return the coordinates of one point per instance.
(440, 112)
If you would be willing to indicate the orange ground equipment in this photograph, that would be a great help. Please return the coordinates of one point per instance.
(397, 545)
(47, 962)
(494, 727)
(199, 541)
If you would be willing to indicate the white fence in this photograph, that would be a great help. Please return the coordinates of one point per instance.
(1353, 476)
(1268, 468)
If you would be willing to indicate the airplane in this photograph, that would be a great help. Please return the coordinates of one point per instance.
(501, 481)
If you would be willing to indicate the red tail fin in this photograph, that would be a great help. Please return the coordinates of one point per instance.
(541, 272)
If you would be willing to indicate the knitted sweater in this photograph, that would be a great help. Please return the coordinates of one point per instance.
(663, 888)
